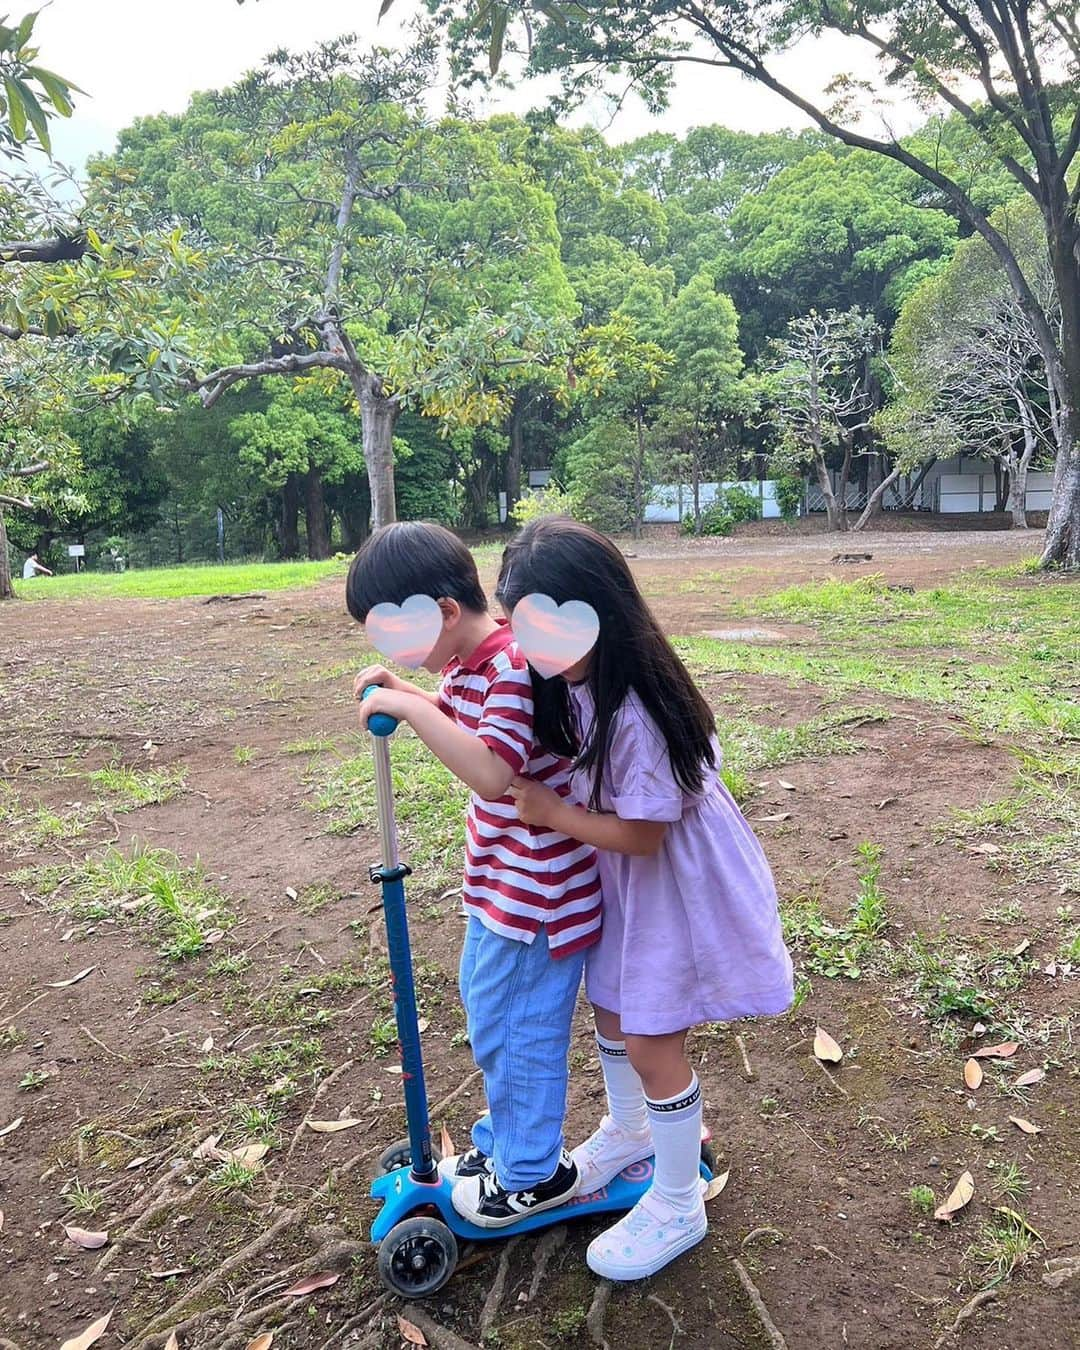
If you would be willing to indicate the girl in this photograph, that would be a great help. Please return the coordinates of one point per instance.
(691, 927)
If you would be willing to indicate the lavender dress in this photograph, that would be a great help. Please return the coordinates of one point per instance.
(692, 933)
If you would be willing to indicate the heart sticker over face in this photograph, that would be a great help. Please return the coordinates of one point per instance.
(554, 637)
(405, 633)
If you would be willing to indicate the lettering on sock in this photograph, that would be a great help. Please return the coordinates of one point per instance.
(691, 1099)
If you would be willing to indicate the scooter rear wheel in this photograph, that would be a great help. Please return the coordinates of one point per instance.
(399, 1154)
(417, 1257)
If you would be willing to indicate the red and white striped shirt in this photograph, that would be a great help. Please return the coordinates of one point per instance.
(518, 876)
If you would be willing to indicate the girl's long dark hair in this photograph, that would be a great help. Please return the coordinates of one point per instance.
(569, 561)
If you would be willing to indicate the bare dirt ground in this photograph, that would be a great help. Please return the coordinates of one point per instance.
(116, 1078)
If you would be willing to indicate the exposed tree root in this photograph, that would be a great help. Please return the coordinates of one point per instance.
(548, 1245)
(463, 1087)
(364, 1316)
(969, 1309)
(594, 1321)
(771, 1330)
(676, 1325)
(139, 1227)
(495, 1294)
(441, 1338)
(748, 1068)
(334, 1257)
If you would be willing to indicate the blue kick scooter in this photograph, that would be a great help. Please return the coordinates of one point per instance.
(417, 1229)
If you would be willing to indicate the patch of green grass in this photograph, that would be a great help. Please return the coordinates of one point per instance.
(749, 746)
(430, 804)
(383, 1036)
(32, 1080)
(11, 1038)
(147, 886)
(257, 1122)
(838, 949)
(43, 827)
(1010, 1182)
(170, 583)
(948, 984)
(233, 1176)
(231, 964)
(922, 1200)
(132, 788)
(1001, 1246)
(314, 899)
(312, 745)
(243, 754)
(82, 1199)
(868, 911)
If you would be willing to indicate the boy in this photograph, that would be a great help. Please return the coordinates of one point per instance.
(532, 895)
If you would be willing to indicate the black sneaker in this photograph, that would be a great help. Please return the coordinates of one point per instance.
(471, 1163)
(483, 1201)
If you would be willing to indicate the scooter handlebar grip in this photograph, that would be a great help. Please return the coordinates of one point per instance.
(379, 724)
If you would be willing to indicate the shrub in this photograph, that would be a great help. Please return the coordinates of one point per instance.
(789, 491)
(548, 501)
(729, 508)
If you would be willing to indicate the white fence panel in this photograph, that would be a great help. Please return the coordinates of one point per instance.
(672, 502)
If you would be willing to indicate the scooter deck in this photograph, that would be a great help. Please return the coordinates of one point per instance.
(401, 1197)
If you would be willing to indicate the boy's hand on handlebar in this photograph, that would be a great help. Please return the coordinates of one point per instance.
(536, 804)
(375, 675)
(390, 701)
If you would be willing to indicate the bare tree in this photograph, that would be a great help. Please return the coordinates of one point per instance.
(818, 398)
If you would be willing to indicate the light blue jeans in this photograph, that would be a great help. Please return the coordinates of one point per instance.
(519, 1003)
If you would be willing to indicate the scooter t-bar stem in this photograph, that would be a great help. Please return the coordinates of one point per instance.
(391, 876)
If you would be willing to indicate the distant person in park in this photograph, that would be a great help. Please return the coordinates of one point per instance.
(691, 929)
(33, 567)
(532, 896)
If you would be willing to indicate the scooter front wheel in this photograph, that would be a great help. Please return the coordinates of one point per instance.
(417, 1257)
(399, 1154)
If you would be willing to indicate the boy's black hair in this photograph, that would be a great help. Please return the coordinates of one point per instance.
(569, 561)
(412, 557)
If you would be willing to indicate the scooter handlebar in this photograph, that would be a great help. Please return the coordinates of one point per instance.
(379, 724)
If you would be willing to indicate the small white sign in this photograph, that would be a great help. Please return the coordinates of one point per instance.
(76, 550)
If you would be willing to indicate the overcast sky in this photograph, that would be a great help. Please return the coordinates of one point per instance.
(137, 57)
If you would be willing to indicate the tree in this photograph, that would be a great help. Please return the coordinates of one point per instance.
(817, 397)
(702, 335)
(967, 361)
(357, 240)
(1022, 55)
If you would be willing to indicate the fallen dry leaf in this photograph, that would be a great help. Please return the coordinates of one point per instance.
(1, 1220)
(788, 787)
(247, 1155)
(769, 820)
(9, 1129)
(290, 891)
(959, 1196)
(1025, 1125)
(168, 1275)
(423, 1025)
(1021, 947)
(323, 1280)
(1030, 1078)
(446, 1143)
(263, 1342)
(713, 1189)
(93, 1332)
(409, 1332)
(63, 984)
(331, 1126)
(987, 849)
(973, 1074)
(1050, 969)
(136, 1163)
(208, 1147)
(88, 1241)
(172, 1343)
(826, 1048)
(207, 1045)
(395, 1068)
(1002, 1051)
(886, 801)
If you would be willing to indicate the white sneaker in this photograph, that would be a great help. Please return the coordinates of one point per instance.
(605, 1153)
(646, 1239)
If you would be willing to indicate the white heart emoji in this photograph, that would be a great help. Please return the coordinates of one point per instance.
(405, 633)
(554, 637)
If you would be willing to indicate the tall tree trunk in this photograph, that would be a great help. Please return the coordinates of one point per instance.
(516, 452)
(1062, 547)
(695, 469)
(378, 415)
(318, 533)
(845, 477)
(639, 469)
(355, 512)
(289, 531)
(1017, 500)
(834, 509)
(920, 478)
(873, 504)
(7, 591)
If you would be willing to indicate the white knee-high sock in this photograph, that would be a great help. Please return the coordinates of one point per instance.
(676, 1129)
(626, 1096)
